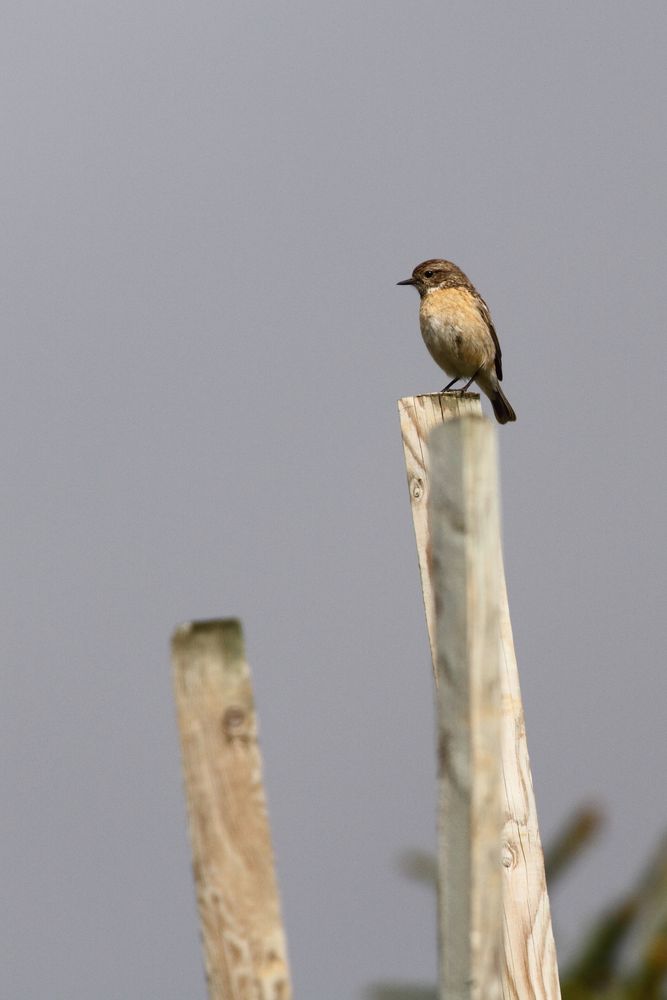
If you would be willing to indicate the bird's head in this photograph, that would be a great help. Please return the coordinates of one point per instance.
(435, 274)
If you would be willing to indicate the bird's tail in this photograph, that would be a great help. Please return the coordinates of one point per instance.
(502, 407)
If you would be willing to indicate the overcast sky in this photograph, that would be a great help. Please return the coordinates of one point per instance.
(206, 207)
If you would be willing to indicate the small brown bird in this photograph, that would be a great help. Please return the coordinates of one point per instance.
(457, 329)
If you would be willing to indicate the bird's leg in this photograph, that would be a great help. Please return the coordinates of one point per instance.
(470, 381)
(450, 384)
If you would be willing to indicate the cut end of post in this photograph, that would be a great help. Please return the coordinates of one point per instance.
(228, 629)
(443, 396)
(207, 625)
(214, 640)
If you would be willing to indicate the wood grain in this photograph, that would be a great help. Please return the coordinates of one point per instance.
(465, 569)
(529, 969)
(237, 894)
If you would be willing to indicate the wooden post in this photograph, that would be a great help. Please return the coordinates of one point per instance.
(529, 966)
(465, 569)
(239, 908)
(419, 415)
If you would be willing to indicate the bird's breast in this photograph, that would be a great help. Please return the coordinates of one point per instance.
(454, 331)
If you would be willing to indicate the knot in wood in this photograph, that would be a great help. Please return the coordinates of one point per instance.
(416, 488)
(234, 722)
(508, 855)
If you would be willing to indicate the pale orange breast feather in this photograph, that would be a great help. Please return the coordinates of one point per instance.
(455, 332)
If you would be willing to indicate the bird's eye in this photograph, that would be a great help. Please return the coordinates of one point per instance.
(429, 274)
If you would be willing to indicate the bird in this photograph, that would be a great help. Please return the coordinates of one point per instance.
(456, 325)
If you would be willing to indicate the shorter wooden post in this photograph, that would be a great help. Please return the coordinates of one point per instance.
(465, 568)
(239, 908)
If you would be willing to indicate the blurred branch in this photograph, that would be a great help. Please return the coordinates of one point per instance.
(647, 983)
(406, 991)
(642, 915)
(596, 963)
(420, 866)
(650, 898)
(578, 831)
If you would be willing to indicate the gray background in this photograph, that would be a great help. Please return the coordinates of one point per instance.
(206, 207)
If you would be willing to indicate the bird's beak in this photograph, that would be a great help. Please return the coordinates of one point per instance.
(408, 281)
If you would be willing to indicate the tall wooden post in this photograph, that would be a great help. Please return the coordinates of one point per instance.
(239, 909)
(465, 569)
(529, 968)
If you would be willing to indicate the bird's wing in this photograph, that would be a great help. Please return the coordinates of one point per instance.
(486, 316)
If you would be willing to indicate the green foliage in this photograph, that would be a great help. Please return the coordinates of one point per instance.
(623, 956)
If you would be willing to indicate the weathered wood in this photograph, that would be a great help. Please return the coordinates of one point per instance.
(530, 968)
(529, 953)
(419, 415)
(237, 895)
(465, 569)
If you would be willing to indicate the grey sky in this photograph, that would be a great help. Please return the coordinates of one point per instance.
(206, 207)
